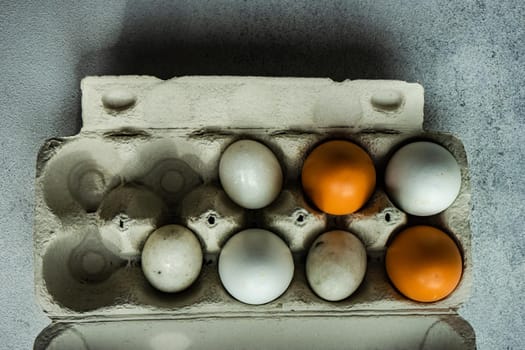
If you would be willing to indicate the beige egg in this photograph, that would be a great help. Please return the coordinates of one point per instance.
(336, 265)
(172, 258)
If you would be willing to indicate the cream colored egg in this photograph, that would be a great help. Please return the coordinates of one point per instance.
(172, 258)
(250, 174)
(336, 265)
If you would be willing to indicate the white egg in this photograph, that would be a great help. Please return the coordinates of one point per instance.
(423, 178)
(250, 174)
(336, 265)
(172, 258)
(256, 266)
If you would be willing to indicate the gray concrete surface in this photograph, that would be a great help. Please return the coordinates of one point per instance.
(469, 55)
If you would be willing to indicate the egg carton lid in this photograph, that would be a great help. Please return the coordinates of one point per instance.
(211, 102)
(361, 332)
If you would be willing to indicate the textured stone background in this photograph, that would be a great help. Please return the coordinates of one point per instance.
(469, 55)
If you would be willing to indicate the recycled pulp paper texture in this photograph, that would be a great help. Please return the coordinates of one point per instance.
(67, 223)
(252, 102)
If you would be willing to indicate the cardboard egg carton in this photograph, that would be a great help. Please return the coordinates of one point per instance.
(166, 137)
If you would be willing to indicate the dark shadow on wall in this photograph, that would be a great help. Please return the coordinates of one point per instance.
(178, 39)
(203, 39)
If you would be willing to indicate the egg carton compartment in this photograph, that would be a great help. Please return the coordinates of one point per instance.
(81, 215)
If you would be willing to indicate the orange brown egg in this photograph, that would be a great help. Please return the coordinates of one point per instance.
(424, 263)
(339, 177)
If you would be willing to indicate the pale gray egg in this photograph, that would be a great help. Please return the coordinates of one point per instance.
(336, 265)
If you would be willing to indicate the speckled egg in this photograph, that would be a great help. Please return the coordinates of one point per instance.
(336, 265)
(172, 258)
